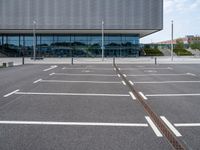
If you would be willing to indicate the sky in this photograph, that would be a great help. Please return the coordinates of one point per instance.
(186, 16)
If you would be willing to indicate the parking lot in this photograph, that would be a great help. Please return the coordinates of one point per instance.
(90, 106)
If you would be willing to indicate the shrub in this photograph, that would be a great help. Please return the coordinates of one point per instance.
(152, 50)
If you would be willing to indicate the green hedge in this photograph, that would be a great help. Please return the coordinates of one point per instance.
(195, 46)
(153, 52)
(182, 52)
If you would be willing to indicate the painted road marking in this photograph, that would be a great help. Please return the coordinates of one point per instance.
(153, 126)
(150, 71)
(11, 93)
(132, 95)
(66, 74)
(118, 75)
(75, 123)
(191, 74)
(87, 68)
(119, 68)
(52, 74)
(52, 67)
(124, 75)
(146, 75)
(123, 83)
(171, 127)
(172, 95)
(72, 94)
(143, 96)
(168, 68)
(37, 81)
(163, 82)
(64, 81)
(187, 124)
(86, 71)
(131, 82)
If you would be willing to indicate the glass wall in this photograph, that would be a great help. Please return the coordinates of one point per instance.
(70, 45)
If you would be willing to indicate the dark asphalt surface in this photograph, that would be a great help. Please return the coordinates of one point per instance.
(102, 109)
(181, 109)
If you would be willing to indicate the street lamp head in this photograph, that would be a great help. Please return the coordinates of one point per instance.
(34, 22)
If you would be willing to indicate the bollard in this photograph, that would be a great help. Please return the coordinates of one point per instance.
(72, 61)
(155, 60)
(22, 60)
(4, 64)
(114, 60)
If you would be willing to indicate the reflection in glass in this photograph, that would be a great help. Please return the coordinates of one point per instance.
(70, 45)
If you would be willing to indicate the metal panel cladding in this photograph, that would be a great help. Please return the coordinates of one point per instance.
(82, 14)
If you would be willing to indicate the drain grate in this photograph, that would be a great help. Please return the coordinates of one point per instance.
(175, 143)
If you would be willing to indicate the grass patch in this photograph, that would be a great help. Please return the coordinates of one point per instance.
(153, 52)
(182, 52)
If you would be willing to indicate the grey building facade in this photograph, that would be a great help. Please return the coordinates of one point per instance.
(64, 27)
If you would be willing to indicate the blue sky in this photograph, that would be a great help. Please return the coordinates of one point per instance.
(186, 16)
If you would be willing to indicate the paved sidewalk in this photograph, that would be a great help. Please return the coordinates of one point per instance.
(139, 60)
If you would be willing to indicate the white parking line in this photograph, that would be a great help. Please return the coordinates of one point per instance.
(132, 95)
(123, 83)
(88, 68)
(11, 93)
(143, 96)
(153, 126)
(118, 75)
(168, 68)
(75, 123)
(165, 82)
(52, 67)
(171, 127)
(187, 124)
(172, 95)
(131, 82)
(192, 74)
(37, 81)
(124, 75)
(146, 75)
(64, 81)
(72, 94)
(66, 74)
(51, 74)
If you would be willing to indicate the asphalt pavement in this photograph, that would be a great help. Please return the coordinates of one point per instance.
(89, 106)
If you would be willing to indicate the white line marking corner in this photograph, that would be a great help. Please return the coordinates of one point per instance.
(51, 74)
(37, 81)
(124, 83)
(143, 96)
(132, 95)
(171, 127)
(131, 82)
(9, 94)
(153, 126)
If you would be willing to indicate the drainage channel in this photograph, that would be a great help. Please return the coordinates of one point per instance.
(171, 138)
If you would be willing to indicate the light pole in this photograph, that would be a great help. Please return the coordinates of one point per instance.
(34, 40)
(102, 40)
(172, 36)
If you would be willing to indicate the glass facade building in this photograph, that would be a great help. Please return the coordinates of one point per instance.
(74, 27)
(70, 45)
